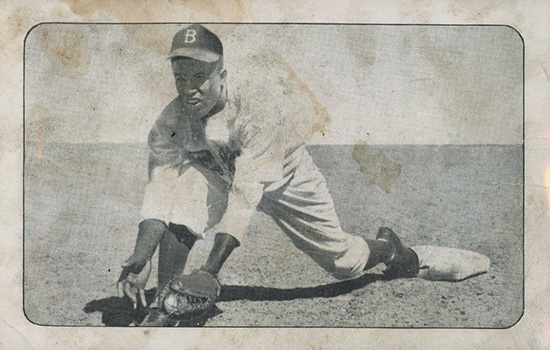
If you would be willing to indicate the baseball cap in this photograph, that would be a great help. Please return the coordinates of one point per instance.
(197, 42)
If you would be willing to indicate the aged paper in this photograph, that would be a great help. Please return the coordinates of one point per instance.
(440, 161)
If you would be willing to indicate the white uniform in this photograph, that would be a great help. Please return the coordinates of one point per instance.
(250, 156)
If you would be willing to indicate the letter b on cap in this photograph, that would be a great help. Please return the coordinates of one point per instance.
(190, 36)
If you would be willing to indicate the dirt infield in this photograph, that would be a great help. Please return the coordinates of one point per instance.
(82, 209)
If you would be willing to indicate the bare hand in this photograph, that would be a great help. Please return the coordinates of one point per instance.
(133, 279)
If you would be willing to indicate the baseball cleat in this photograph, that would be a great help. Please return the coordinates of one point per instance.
(404, 262)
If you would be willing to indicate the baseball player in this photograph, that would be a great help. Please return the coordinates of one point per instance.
(215, 158)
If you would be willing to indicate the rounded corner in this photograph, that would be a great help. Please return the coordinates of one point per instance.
(31, 29)
(31, 321)
(513, 324)
(507, 26)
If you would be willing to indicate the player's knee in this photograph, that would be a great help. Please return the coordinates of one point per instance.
(191, 179)
(190, 201)
(351, 262)
(341, 264)
(190, 171)
(346, 267)
(344, 272)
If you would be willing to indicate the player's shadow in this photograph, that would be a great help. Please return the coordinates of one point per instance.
(120, 311)
(256, 293)
(117, 311)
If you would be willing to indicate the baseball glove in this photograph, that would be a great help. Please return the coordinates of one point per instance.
(190, 296)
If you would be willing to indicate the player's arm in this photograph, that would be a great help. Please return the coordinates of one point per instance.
(165, 158)
(260, 161)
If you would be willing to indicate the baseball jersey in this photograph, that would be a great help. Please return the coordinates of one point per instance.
(250, 143)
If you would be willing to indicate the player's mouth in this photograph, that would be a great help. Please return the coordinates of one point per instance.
(193, 101)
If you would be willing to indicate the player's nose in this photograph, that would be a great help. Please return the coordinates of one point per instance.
(190, 91)
(186, 87)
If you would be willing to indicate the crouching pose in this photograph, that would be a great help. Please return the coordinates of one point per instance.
(215, 158)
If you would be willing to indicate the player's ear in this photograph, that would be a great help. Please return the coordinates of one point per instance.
(223, 75)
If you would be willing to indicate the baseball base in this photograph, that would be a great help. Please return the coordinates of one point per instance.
(450, 264)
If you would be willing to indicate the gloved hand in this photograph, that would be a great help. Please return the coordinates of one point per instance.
(190, 296)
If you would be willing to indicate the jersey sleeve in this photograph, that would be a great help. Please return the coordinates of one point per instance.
(260, 162)
(271, 109)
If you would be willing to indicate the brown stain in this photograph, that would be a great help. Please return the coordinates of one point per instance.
(151, 38)
(478, 11)
(171, 10)
(16, 22)
(147, 35)
(448, 165)
(320, 119)
(432, 52)
(520, 19)
(380, 170)
(159, 38)
(416, 11)
(67, 50)
(362, 44)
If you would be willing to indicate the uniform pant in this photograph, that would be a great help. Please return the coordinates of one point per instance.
(301, 206)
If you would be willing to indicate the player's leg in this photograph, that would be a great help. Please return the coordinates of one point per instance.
(198, 200)
(212, 207)
(174, 250)
(305, 211)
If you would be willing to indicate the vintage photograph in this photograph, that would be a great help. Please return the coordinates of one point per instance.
(273, 175)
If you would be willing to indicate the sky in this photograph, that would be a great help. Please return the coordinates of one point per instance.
(383, 84)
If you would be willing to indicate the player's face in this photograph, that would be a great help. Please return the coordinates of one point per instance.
(201, 85)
